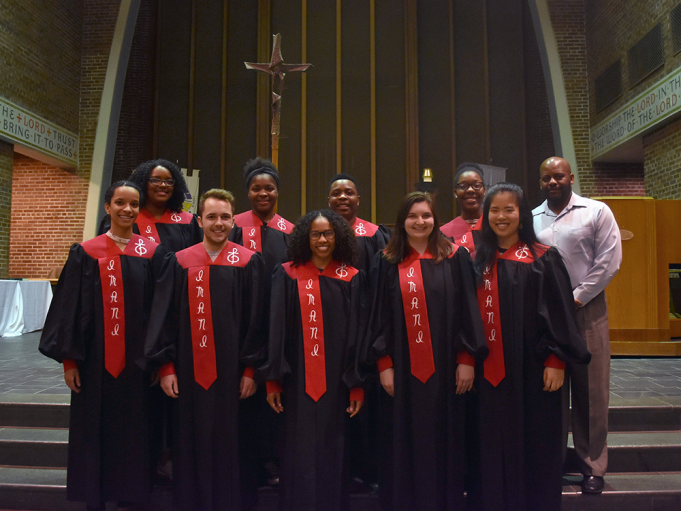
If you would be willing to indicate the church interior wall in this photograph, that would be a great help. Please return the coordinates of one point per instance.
(663, 162)
(469, 87)
(613, 27)
(6, 161)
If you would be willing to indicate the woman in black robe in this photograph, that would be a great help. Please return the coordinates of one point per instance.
(95, 327)
(311, 372)
(262, 230)
(162, 218)
(425, 336)
(530, 324)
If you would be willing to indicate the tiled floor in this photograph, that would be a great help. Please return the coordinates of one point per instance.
(23, 370)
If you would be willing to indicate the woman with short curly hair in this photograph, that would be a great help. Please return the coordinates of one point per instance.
(161, 218)
(315, 326)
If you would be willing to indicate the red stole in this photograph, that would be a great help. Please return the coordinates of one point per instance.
(364, 228)
(251, 226)
(312, 318)
(467, 240)
(146, 222)
(488, 300)
(108, 257)
(198, 263)
(416, 316)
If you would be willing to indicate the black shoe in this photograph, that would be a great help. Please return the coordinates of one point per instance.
(592, 484)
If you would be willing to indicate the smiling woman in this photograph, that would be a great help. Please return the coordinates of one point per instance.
(425, 335)
(161, 218)
(516, 457)
(316, 315)
(95, 327)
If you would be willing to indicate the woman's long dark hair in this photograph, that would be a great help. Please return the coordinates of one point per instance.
(143, 171)
(398, 248)
(487, 244)
(345, 251)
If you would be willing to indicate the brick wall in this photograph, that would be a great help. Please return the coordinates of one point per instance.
(58, 53)
(40, 44)
(663, 162)
(613, 27)
(43, 225)
(619, 180)
(567, 19)
(6, 156)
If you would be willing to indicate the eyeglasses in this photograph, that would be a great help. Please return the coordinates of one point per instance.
(157, 182)
(462, 187)
(329, 235)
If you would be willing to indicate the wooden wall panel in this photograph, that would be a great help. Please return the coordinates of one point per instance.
(321, 100)
(390, 109)
(208, 93)
(287, 21)
(173, 80)
(449, 86)
(356, 98)
(435, 99)
(506, 91)
(241, 95)
(469, 41)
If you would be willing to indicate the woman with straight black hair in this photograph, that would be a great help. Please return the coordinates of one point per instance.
(530, 325)
(424, 338)
(312, 371)
(95, 328)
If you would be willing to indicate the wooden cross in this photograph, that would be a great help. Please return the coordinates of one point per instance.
(278, 69)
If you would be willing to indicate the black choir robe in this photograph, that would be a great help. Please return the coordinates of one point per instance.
(176, 231)
(108, 434)
(423, 451)
(371, 238)
(517, 460)
(267, 426)
(273, 236)
(363, 431)
(206, 469)
(314, 469)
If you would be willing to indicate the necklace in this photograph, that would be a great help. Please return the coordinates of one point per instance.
(118, 239)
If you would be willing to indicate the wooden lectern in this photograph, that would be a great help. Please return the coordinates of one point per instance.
(638, 297)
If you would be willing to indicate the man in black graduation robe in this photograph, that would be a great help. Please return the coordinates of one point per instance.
(205, 334)
(343, 199)
(108, 435)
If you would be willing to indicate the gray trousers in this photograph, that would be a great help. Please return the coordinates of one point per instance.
(590, 389)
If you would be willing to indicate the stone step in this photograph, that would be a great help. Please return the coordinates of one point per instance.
(651, 451)
(42, 489)
(627, 492)
(34, 410)
(34, 447)
(644, 418)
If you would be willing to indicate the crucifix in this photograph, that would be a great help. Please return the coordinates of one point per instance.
(278, 69)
